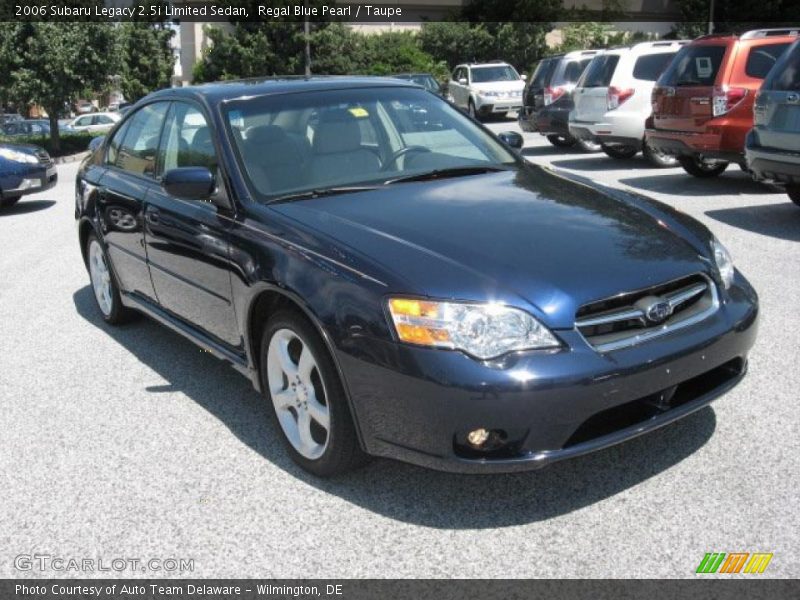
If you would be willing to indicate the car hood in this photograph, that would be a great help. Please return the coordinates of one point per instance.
(522, 237)
(25, 148)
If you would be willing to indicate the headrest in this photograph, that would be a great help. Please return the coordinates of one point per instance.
(338, 131)
(266, 135)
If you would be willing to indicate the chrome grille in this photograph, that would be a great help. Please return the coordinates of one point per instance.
(635, 317)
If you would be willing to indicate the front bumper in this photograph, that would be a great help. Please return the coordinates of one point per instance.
(30, 180)
(416, 404)
(501, 104)
(770, 164)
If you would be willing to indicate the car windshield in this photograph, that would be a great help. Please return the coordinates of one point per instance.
(487, 74)
(289, 144)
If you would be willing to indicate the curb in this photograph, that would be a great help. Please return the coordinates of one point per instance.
(71, 158)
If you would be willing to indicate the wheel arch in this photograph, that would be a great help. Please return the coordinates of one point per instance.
(265, 301)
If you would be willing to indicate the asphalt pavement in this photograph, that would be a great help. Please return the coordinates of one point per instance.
(132, 443)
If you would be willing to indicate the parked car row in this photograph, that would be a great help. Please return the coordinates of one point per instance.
(700, 104)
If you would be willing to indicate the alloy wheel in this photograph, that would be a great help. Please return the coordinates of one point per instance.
(101, 277)
(298, 394)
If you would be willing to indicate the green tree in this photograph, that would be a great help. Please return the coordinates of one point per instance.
(54, 64)
(147, 59)
(455, 42)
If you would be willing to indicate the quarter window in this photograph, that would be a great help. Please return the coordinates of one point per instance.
(762, 58)
(139, 148)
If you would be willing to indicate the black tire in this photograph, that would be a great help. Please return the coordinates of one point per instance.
(117, 313)
(794, 193)
(561, 141)
(699, 168)
(658, 159)
(342, 452)
(588, 146)
(619, 152)
(9, 201)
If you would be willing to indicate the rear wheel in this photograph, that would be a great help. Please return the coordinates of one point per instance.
(794, 193)
(620, 152)
(658, 159)
(106, 292)
(308, 400)
(588, 146)
(8, 201)
(561, 141)
(701, 168)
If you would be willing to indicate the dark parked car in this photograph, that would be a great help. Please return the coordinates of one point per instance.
(548, 98)
(24, 169)
(420, 294)
(426, 80)
(40, 127)
(772, 148)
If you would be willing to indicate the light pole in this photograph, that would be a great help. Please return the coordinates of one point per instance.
(307, 38)
(711, 17)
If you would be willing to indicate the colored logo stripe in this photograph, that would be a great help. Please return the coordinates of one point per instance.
(717, 561)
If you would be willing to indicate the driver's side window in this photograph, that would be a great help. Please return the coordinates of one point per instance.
(187, 140)
(137, 149)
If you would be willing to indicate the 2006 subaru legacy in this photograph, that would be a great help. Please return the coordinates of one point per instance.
(399, 282)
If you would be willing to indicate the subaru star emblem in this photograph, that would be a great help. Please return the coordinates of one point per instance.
(658, 312)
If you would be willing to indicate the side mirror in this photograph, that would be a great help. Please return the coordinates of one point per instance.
(96, 142)
(462, 81)
(512, 139)
(524, 77)
(189, 183)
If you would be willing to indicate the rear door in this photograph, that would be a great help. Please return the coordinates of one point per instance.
(683, 97)
(777, 109)
(591, 93)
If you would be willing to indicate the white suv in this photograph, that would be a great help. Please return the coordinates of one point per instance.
(486, 89)
(612, 99)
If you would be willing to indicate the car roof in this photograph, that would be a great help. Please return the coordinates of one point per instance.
(244, 88)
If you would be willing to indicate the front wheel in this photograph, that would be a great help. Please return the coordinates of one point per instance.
(701, 168)
(472, 110)
(561, 141)
(659, 159)
(620, 152)
(794, 193)
(308, 400)
(106, 292)
(9, 201)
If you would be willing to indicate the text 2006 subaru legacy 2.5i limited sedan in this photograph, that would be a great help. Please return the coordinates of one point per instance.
(399, 282)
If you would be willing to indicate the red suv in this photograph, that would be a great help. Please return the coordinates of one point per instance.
(703, 102)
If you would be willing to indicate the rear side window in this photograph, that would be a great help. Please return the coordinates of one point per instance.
(544, 71)
(762, 58)
(694, 65)
(569, 71)
(786, 76)
(650, 66)
(600, 71)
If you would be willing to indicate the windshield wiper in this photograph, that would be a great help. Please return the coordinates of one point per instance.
(320, 192)
(445, 173)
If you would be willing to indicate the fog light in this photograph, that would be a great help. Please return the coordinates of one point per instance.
(478, 437)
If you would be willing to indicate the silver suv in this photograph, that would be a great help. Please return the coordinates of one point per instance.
(486, 89)
(772, 147)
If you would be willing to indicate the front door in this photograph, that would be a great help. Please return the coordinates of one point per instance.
(187, 240)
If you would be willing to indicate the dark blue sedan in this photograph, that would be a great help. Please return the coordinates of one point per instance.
(24, 169)
(398, 282)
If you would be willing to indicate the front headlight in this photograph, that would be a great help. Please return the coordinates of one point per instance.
(481, 330)
(17, 156)
(723, 262)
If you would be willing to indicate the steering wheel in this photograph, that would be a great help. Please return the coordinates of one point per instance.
(392, 160)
